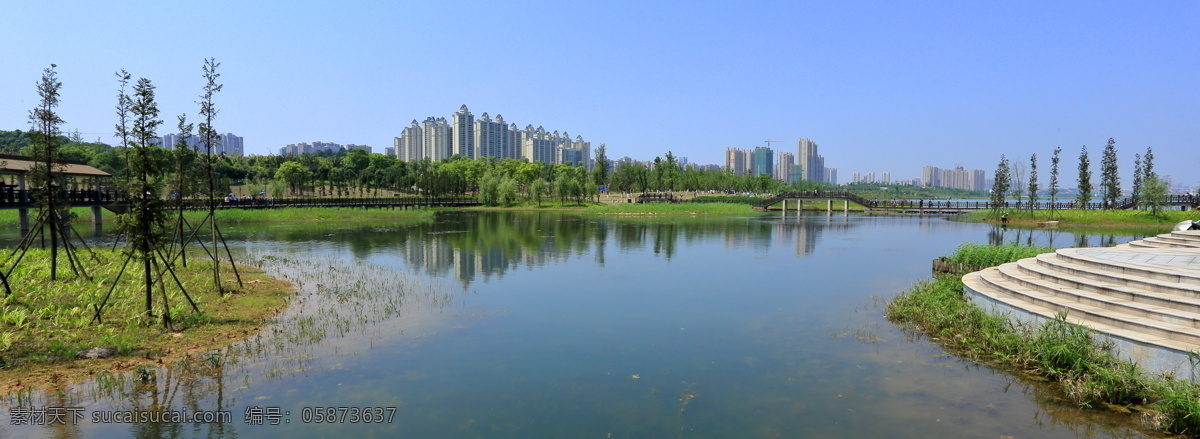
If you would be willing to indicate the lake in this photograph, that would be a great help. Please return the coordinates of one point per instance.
(520, 325)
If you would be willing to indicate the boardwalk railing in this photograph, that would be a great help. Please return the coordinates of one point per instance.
(1126, 203)
(116, 200)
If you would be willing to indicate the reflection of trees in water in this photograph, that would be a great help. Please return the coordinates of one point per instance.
(1000, 235)
(470, 245)
(150, 392)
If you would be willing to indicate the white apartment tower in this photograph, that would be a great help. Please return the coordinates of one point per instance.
(492, 137)
(783, 166)
(410, 146)
(813, 163)
(436, 134)
(537, 145)
(464, 132)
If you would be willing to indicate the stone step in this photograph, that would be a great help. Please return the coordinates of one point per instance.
(1157, 241)
(1193, 235)
(1181, 275)
(976, 283)
(1176, 239)
(1144, 244)
(1051, 261)
(1145, 329)
(1114, 298)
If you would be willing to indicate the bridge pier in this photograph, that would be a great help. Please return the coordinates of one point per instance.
(785, 208)
(23, 214)
(96, 215)
(829, 206)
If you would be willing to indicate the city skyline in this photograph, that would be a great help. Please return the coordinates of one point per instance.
(889, 85)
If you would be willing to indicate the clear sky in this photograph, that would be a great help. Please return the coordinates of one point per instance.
(880, 86)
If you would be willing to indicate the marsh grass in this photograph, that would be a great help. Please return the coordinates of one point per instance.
(46, 326)
(1088, 372)
(993, 255)
(1094, 218)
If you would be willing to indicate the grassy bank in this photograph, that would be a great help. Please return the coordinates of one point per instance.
(1089, 218)
(310, 214)
(46, 327)
(1088, 372)
(671, 209)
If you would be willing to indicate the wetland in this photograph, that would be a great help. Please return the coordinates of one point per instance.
(556, 324)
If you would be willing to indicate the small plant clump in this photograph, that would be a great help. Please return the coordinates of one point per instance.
(993, 255)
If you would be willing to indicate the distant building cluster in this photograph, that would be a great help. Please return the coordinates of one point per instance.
(437, 138)
(805, 165)
(303, 148)
(227, 144)
(958, 178)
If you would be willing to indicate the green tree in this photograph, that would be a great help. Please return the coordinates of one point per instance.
(145, 222)
(1033, 183)
(600, 170)
(537, 189)
(1136, 191)
(294, 175)
(1085, 179)
(1054, 180)
(1000, 185)
(1148, 165)
(1110, 180)
(1155, 193)
(47, 173)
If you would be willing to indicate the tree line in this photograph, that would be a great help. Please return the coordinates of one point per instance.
(1148, 190)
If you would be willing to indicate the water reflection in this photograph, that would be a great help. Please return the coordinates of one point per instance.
(478, 246)
(583, 326)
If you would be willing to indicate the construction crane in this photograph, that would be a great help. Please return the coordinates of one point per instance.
(769, 142)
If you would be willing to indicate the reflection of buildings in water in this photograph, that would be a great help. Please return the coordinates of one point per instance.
(492, 248)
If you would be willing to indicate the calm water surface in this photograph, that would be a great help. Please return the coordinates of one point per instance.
(523, 325)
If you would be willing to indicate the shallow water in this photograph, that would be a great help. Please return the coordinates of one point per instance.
(519, 325)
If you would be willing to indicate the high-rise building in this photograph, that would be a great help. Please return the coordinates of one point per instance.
(436, 137)
(957, 178)
(737, 161)
(226, 144)
(464, 132)
(831, 175)
(783, 166)
(762, 161)
(814, 164)
(410, 146)
(491, 137)
(795, 172)
(855, 178)
(931, 176)
(537, 145)
(887, 178)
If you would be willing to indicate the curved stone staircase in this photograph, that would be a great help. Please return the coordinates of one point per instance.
(1144, 295)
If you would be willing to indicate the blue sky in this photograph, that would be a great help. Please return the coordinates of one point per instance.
(880, 86)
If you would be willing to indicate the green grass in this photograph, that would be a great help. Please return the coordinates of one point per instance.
(310, 214)
(45, 324)
(728, 199)
(993, 255)
(1089, 374)
(671, 209)
(1075, 218)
